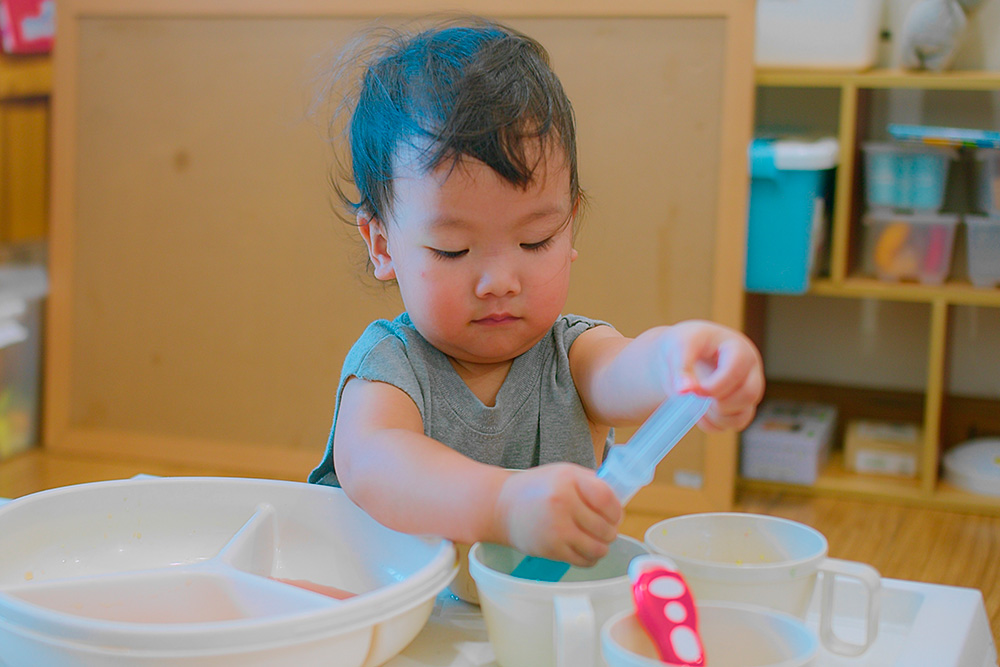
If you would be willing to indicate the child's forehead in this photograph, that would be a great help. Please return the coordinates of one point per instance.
(549, 166)
(455, 193)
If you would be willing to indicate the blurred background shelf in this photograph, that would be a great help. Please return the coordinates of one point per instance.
(836, 481)
(880, 78)
(25, 76)
(25, 89)
(952, 292)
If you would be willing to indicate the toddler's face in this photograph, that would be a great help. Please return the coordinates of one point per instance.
(482, 266)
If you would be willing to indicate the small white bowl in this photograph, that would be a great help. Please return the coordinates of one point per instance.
(732, 636)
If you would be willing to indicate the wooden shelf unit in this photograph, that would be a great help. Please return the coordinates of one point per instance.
(25, 76)
(25, 88)
(846, 281)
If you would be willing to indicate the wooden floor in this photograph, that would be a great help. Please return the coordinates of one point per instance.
(902, 542)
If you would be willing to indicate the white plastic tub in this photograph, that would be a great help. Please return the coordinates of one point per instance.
(974, 465)
(824, 34)
(182, 571)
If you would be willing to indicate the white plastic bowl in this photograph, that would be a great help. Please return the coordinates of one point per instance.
(733, 636)
(974, 465)
(179, 571)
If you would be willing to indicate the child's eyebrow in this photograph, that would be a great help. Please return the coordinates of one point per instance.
(449, 222)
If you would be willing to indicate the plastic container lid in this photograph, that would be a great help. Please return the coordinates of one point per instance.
(987, 154)
(945, 136)
(982, 220)
(795, 154)
(879, 216)
(975, 466)
(908, 147)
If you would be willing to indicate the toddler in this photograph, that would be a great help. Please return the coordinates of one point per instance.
(481, 412)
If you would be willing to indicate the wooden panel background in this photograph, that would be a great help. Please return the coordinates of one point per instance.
(203, 293)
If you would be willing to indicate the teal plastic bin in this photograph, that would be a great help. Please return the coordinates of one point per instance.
(790, 183)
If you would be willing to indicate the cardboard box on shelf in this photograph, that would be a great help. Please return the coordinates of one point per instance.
(880, 447)
(789, 441)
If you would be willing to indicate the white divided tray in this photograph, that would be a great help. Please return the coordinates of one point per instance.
(921, 625)
(188, 571)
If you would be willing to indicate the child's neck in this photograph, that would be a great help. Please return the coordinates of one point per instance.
(484, 380)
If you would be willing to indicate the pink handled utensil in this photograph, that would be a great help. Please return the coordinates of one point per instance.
(665, 609)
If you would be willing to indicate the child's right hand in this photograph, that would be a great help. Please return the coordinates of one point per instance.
(560, 511)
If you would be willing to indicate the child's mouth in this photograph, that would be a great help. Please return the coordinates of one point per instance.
(499, 318)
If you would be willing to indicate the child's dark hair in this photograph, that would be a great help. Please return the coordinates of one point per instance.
(464, 88)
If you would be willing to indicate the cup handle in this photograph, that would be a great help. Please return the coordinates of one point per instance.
(872, 581)
(574, 631)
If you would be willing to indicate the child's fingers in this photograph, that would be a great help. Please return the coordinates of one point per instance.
(737, 419)
(595, 525)
(746, 388)
(598, 497)
(695, 357)
(588, 551)
(735, 360)
(596, 518)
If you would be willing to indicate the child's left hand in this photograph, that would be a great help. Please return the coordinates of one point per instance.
(719, 362)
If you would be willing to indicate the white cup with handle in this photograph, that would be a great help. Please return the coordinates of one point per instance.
(766, 561)
(550, 624)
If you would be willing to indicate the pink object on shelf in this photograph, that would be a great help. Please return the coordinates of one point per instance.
(27, 26)
(936, 259)
(666, 610)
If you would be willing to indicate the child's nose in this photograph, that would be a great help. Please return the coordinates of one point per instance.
(497, 279)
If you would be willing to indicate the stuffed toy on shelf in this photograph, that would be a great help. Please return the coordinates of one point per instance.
(932, 32)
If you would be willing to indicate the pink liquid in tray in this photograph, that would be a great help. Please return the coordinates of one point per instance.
(329, 591)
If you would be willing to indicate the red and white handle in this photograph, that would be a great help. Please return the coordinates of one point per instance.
(665, 609)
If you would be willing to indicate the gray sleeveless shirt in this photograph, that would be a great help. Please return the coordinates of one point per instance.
(538, 417)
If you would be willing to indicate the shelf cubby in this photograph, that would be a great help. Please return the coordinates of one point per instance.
(946, 419)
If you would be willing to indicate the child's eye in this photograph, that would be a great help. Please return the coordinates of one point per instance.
(541, 245)
(448, 254)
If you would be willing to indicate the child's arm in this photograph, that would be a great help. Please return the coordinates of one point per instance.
(622, 380)
(415, 484)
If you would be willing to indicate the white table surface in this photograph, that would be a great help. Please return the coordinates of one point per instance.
(920, 625)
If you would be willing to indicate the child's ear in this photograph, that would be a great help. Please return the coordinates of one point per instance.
(373, 232)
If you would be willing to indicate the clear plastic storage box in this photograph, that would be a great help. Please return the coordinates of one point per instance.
(988, 180)
(907, 176)
(21, 292)
(982, 235)
(909, 247)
